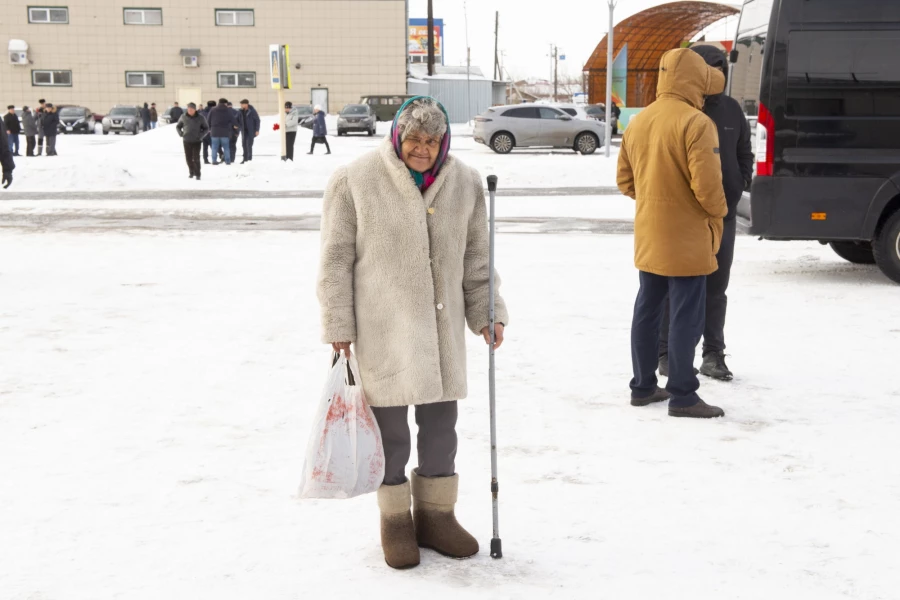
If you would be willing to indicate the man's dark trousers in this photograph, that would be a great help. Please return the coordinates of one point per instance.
(233, 146)
(248, 146)
(716, 298)
(291, 138)
(192, 157)
(207, 141)
(687, 303)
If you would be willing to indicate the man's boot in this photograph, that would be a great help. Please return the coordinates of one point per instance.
(701, 410)
(436, 524)
(664, 366)
(714, 366)
(398, 534)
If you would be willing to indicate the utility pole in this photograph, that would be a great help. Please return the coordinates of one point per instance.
(609, 74)
(555, 73)
(497, 76)
(430, 39)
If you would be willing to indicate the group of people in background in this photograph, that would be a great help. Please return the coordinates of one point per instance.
(36, 126)
(150, 116)
(218, 126)
(294, 121)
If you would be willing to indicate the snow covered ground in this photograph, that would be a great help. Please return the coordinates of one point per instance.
(157, 382)
(156, 391)
(154, 160)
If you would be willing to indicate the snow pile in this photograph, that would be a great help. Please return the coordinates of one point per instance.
(154, 160)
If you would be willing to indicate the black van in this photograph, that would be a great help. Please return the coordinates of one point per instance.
(821, 81)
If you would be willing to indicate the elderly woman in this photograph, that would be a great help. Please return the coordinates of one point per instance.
(404, 267)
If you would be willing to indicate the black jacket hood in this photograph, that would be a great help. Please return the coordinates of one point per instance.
(716, 59)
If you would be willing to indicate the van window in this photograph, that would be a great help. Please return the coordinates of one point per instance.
(844, 74)
(746, 73)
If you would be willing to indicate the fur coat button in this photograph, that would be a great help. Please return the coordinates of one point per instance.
(431, 211)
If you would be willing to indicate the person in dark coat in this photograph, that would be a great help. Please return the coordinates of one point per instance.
(737, 158)
(38, 115)
(50, 127)
(145, 116)
(13, 129)
(6, 159)
(320, 130)
(249, 128)
(238, 126)
(221, 126)
(154, 116)
(193, 129)
(207, 141)
(616, 112)
(30, 127)
(176, 113)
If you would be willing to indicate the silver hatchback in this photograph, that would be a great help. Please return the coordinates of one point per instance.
(503, 128)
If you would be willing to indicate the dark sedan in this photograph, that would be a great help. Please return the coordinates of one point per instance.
(76, 119)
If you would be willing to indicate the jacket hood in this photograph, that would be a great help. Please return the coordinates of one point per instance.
(684, 74)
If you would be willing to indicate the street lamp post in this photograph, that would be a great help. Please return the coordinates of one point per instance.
(609, 76)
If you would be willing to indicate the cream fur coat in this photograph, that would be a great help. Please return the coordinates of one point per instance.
(401, 275)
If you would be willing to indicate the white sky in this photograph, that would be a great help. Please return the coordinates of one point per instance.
(528, 28)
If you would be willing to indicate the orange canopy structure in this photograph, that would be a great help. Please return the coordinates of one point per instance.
(649, 35)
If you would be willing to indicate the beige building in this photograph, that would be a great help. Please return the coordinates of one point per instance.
(99, 53)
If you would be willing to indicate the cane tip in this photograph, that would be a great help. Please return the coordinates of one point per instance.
(492, 183)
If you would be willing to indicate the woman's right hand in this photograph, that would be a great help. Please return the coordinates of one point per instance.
(338, 346)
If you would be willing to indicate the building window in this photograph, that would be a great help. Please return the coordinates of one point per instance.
(234, 18)
(52, 78)
(143, 16)
(58, 15)
(236, 79)
(145, 79)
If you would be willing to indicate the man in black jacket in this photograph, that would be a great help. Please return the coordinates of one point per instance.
(207, 141)
(221, 126)
(13, 129)
(6, 159)
(249, 128)
(50, 127)
(737, 174)
(193, 129)
(238, 125)
(176, 113)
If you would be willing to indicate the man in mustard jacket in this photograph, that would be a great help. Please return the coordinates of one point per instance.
(669, 163)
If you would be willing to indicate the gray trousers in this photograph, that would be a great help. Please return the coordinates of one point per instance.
(436, 440)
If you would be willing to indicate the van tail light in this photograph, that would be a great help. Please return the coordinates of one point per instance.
(765, 143)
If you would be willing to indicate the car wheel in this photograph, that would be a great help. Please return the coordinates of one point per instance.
(502, 143)
(887, 247)
(117, 133)
(105, 132)
(859, 253)
(586, 143)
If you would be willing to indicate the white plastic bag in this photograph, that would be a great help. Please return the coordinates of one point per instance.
(344, 456)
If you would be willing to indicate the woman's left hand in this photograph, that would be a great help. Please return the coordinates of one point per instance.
(498, 332)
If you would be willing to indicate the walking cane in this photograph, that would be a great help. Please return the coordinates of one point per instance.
(496, 546)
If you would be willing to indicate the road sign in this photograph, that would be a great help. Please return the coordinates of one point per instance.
(279, 69)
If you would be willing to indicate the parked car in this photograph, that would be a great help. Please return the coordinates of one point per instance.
(360, 118)
(576, 111)
(303, 110)
(503, 128)
(386, 107)
(598, 112)
(76, 119)
(166, 117)
(123, 119)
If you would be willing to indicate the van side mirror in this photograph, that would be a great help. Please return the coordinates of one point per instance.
(734, 56)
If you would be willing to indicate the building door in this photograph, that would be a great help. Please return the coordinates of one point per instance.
(320, 98)
(187, 95)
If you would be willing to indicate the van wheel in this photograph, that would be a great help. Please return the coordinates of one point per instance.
(502, 143)
(887, 247)
(586, 143)
(859, 253)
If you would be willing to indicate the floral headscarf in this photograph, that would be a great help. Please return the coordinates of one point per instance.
(423, 180)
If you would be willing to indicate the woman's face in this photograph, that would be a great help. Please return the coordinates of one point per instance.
(420, 151)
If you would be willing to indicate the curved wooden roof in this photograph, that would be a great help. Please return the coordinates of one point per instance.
(649, 35)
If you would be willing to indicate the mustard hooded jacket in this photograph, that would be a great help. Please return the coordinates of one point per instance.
(669, 163)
